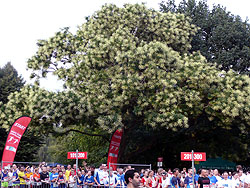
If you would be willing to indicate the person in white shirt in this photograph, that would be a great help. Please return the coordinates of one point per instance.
(216, 174)
(242, 176)
(236, 180)
(111, 180)
(247, 180)
(164, 181)
(225, 183)
(97, 175)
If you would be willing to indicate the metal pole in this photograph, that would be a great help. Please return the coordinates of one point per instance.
(76, 160)
(109, 175)
(193, 169)
(76, 167)
(150, 167)
(1, 170)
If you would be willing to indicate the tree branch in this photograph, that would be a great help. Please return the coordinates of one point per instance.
(85, 133)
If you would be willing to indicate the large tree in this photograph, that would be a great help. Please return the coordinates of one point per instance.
(223, 38)
(131, 68)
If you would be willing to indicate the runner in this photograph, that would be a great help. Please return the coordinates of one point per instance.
(16, 181)
(53, 178)
(44, 175)
(28, 175)
(225, 183)
(80, 179)
(151, 180)
(242, 176)
(164, 181)
(203, 181)
(236, 180)
(144, 178)
(175, 181)
(120, 178)
(89, 180)
(37, 179)
(247, 180)
(67, 173)
(132, 179)
(61, 179)
(5, 177)
(111, 180)
(97, 173)
(22, 177)
(72, 179)
(212, 179)
(188, 182)
(217, 176)
(11, 177)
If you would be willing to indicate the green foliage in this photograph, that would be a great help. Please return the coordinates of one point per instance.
(130, 68)
(96, 147)
(223, 38)
(9, 82)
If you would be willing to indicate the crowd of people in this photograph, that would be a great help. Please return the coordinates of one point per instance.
(44, 176)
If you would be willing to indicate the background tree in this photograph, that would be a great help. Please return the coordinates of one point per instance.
(131, 68)
(223, 38)
(11, 82)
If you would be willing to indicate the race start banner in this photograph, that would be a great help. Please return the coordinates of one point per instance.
(14, 137)
(114, 148)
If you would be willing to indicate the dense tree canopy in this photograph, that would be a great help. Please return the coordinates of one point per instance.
(131, 68)
(223, 38)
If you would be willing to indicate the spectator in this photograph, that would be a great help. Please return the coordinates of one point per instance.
(151, 180)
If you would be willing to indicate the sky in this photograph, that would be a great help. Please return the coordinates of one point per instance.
(24, 22)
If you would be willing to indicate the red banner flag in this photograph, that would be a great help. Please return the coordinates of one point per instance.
(14, 137)
(114, 148)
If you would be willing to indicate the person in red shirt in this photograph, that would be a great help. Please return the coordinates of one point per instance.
(144, 178)
(151, 183)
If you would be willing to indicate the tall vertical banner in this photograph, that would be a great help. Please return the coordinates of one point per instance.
(114, 148)
(14, 137)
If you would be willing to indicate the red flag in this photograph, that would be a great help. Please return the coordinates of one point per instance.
(14, 137)
(114, 148)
